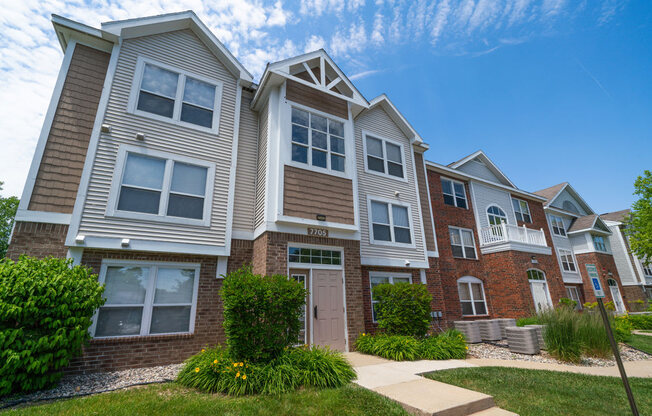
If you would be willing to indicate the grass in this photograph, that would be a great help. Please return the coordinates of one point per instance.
(173, 399)
(537, 392)
(641, 342)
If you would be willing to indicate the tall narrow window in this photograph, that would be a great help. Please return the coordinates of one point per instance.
(384, 157)
(462, 243)
(521, 210)
(390, 228)
(496, 215)
(567, 261)
(471, 293)
(454, 193)
(557, 225)
(317, 140)
(574, 294)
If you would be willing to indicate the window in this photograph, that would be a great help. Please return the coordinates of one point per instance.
(471, 292)
(173, 95)
(557, 224)
(162, 187)
(454, 193)
(394, 228)
(383, 156)
(647, 269)
(376, 279)
(534, 274)
(317, 141)
(598, 243)
(574, 294)
(462, 243)
(496, 215)
(567, 261)
(303, 334)
(147, 299)
(522, 210)
(314, 256)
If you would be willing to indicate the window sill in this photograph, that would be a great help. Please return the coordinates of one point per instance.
(156, 218)
(387, 176)
(141, 338)
(465, 258)
(454, 206)
(475, 316)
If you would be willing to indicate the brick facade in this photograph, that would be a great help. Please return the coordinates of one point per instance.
(38, 239)
(605, 264)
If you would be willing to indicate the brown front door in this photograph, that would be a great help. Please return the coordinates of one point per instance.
(328, 309)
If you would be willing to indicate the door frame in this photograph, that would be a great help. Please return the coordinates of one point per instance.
(310, 267)
(545, 285)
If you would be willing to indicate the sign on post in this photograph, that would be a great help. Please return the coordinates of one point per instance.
(595, 280)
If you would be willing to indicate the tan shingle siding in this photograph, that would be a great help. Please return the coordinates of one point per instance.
(63, 158)
(307, 193)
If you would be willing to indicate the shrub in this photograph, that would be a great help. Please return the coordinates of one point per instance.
(560, 335)
(214, 371)
(640, 321)
(445, 346)
(403, 308)
(261, 314)
(530, 320)
(568, 303)
(448, 345)
(622, 329)
(46, 308)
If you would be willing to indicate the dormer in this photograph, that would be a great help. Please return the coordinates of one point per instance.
(479, 165)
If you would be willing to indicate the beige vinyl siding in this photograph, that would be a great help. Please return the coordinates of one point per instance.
(183, 50)
(245, 177)
(378, 121)
(261, 177)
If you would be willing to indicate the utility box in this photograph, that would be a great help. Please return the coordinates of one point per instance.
(523, 340)
(504, 323)
(540, 329)
(489, 330)
(470, 329)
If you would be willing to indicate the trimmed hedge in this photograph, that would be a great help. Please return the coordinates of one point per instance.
(403, 308)
(46, 308)
(445, 346)
(214, 371)
(261, 314)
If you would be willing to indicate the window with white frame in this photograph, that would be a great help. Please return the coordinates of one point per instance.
(317, 141)
(574, 294)
(147, 299)
(496, 215)
(647, 269)
(390, 222)
(522, 210)
(303, 334)
(567, 260)
(383, 156)
(314, 256)
(534, 274)
(557, 225)
(462, 243)
(173, 94)
(598, 243)
(162, 186)
(376, 279)
(471, 293)
(454, 193)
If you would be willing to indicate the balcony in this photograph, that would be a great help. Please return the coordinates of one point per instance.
(504, 237)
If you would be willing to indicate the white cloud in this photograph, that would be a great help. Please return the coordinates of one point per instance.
(353, 40)
(364, 74)
(313, 43)
(377, 34)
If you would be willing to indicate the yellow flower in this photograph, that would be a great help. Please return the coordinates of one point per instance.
(197, 370)
(467, 347)
(241, 364)
(237, 375)
(363, 334)
(244, 376)
(235, 364)
(215, 362)
(203, 350)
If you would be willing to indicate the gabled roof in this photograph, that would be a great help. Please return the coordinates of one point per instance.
(407, 129)
(152, 25)
(616, 216)
(552, 193)
(483, 158)
(591, 222)
(315, 69)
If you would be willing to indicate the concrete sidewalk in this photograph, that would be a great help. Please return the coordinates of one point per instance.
(403, 383)
(632, 368)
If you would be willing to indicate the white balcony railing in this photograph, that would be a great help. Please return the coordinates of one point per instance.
(504, 233)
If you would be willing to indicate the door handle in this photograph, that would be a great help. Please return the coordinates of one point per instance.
(314, 311)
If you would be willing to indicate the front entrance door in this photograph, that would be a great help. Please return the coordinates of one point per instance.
(328, 309)
(615, 295)
(540, 295)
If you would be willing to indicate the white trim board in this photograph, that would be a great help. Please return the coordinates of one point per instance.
(43, 216)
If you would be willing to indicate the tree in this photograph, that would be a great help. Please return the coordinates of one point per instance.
(8, 207)
(639, 223)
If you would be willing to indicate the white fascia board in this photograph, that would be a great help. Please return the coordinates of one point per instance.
(115, 243)
(83, 32)
(43, 216)
(389, 262)
(461, 175)
(560, 211)
(575, 195)
(587, 230)
(515, 246)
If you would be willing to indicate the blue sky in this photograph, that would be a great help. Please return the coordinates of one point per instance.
(551, 90)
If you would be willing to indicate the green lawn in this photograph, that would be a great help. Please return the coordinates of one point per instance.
(172, 399)
(642, 342)
(535, 392)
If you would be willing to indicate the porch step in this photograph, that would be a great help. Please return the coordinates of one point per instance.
(432, 398)
(494, 411)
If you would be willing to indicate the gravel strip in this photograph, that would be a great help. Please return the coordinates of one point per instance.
(81, 385)
(499, 351)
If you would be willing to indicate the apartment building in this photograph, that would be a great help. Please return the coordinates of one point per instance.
(582, 241)
(635, 274)
(163, 166)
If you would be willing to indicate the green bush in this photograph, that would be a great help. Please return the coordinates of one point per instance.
(261, 314)
(445, 346)
(622, 329)
(214, 371)
(530, 320)
(560, 335)
(46, 308)
(568, 303)
(642, 321)
(403, 308)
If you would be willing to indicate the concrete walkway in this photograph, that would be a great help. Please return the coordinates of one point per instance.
(403, 383)
(632, 368)
(649, 334)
